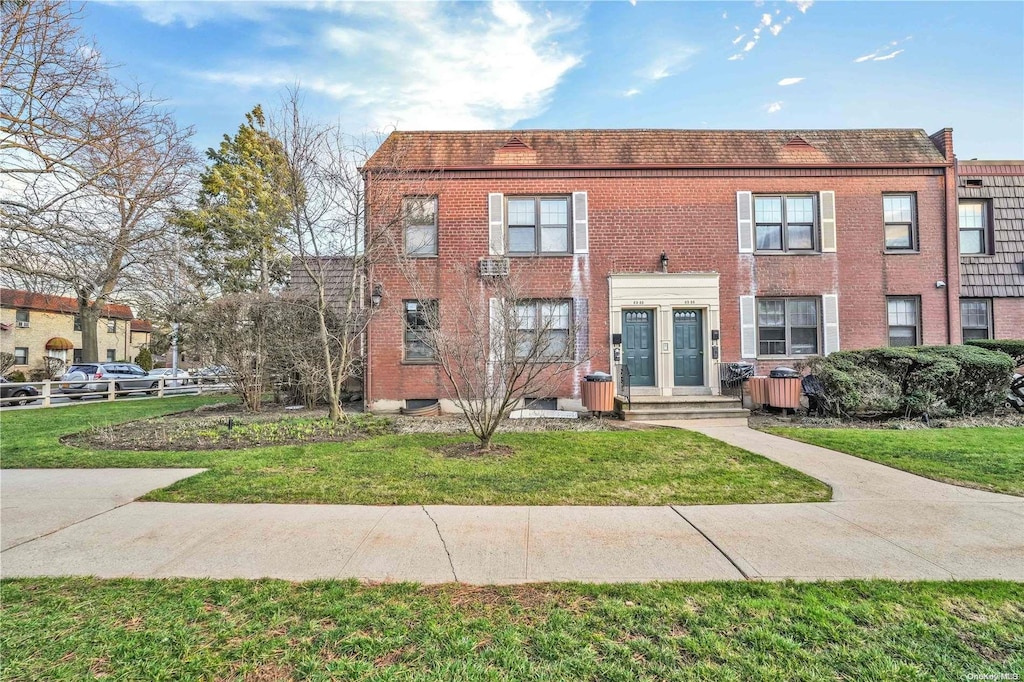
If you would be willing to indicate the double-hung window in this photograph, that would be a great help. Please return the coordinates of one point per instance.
(421, 320)
(787, 326)
(77, 326)
(111, 354)
(973, 227)
(899, 216)
(904, 320)
(21, 317)
(420, 217)
(538, 225)
(542, 330)
(976, 318)
(21, 356)
(786, 223)
(111, 326)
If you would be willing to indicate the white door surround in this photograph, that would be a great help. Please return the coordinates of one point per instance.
(664, 293)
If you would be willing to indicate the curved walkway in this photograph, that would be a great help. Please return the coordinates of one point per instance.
(882, 523)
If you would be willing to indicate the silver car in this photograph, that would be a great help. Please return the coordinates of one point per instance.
(172, 378)
(92, 377)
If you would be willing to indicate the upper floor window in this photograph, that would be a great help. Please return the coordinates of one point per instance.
(420, 321)
(787, 326)
(786, 222)
(21, 317)
(976, 318)
(974, 227)
(111, 326)
(904, 320)
(77, 323)
(543, 329)
(420, 217)
(900, 214)
(538, 225)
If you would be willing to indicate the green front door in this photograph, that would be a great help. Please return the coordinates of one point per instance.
(638, 345)
(688, 347)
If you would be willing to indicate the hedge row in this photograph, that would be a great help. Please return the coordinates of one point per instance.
(907, 382)
(1012, 347)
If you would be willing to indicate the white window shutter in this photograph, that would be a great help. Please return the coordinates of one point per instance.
(827, 201)
(748, 327)
(494, 358)
(830, 314)
(580, 225)
(745, 221)
(496, 223)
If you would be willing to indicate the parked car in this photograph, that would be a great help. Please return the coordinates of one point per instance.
(214, 374)
(29, 393)
(82, 377)
(172, 378)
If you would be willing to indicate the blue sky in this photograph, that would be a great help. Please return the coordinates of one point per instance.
(424, 65)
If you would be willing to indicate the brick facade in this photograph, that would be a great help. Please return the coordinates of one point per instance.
(690, 214)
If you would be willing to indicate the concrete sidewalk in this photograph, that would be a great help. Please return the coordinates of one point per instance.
(883, 524)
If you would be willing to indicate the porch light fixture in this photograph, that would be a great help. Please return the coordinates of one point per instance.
(664, 262)
(378, 295)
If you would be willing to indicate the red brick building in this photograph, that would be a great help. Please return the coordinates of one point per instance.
(680, 249)
(991, 217)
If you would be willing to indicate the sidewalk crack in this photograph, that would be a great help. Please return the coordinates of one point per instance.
(443, 543)
(713, 543)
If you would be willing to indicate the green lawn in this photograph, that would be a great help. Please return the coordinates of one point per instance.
(627, 467)
(988, 458)
(71, 629)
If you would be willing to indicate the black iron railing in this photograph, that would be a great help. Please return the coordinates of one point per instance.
(624, 384)
(731, 376)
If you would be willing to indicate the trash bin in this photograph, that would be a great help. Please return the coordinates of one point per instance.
(784, 388)
(598, 391)
(758, 387)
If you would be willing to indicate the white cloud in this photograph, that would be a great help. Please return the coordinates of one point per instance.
(749, 46)
(776, 29)
(773, 108)
(736, 57)
(739, 38)
(887, 56)
(425, 65)
(766, 19)
(790, 81)
(802, 5)
(668, 64)
(632, 92)
(725, 15)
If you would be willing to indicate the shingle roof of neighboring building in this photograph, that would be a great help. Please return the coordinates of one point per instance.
(142, 326)
(30, 300)
(975, 167)
(614, 148)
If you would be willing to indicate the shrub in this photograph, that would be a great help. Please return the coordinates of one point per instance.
(17, 376)
(144, 359)
(1012, 347)
(938, 380)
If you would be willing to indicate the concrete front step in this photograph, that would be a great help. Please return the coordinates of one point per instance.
(652, 414)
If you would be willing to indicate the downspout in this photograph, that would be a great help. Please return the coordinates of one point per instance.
(368, 364)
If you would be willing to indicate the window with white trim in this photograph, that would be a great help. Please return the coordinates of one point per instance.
(111, 355)
(904, 317)
(21, 356)
(543, 329)
(786, 223)
(538, 225)
(899, 215)
(976, 318)
(111, 326)
(420, 218)
(973, 227)
(788, 326)
(21, 317)
(420, 319)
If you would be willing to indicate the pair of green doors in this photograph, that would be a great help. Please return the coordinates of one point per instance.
(638, 346)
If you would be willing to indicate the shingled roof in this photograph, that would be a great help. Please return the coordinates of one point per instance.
(30, 300)
(625, 148)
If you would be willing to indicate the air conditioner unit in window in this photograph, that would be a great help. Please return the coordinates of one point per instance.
(494, 267)
(22, 324)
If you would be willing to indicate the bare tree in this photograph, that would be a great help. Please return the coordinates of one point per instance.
(332, 245)
(91, 170)
(497, 345)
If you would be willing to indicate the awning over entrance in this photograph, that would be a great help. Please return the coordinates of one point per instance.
(58, 343)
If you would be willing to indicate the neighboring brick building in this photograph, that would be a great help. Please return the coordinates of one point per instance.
(991, 218)
(35, 325)
(777, 244)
